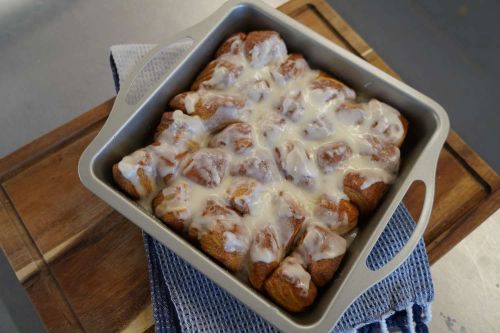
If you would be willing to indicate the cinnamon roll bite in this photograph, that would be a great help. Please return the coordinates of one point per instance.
(207, 166)
(216, 111)
(222, 234)
(291, 286)
(339, 215)
(172, 206)
(321, 251)
(237, 138)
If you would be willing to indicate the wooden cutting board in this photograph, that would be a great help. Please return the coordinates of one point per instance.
(83, 265)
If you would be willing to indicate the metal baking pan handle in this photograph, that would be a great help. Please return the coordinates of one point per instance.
(361, 278)
(188, 40)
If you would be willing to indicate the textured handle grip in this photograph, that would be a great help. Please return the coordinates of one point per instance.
(361, 277)
(148, 75)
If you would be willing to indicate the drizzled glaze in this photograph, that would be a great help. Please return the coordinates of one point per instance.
(291, 113)
(292, 268)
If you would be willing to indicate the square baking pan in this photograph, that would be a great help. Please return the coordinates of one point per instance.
(144, 97)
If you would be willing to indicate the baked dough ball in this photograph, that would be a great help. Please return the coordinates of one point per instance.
(331, 89)
(207, 166)
(331, 155)
(216, 110)
(263, 48)
(275, 239)
(365, 196)
(260, 166)
(181, 130)
(292, 68)
(296, 163)
(243, 195)
(172, 206)
(221, 234)
(321, 251)
(232, 45)
(237, 138)
(290, 286)
(339, 215)
(219, 74)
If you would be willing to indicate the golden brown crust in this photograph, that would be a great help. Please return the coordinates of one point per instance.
(365, 199)
(206, 167)
(128, 187)
(165, 122)
(296, 219)
(287, 294)
(208, 72)
(240, 194)
(237, 137)
(264, 240)
(227, 44)
(176, 199)
(169, 218)
(345, 212)
(124, 183)
(192, 235)
(290, 68)
(267, 239)
(178, 101)
(320, 241)
(386, 154)
(206, 108)
(325, 81)
(205, 75)
(256, 37)
(212, 243)
(177, 134)
(259, 271)
(322, 271)
(330, 155)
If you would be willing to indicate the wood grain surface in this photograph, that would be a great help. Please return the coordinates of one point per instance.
(83, 264)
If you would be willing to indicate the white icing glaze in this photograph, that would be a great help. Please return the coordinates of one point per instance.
(270, 51)
(192, 127)
(222, 77)
(209, 165)
(237, 138)
(190, 101)
(140, 159)
(320, 243)
(385, 121)
(292, 269)
(266, 254)
(177, 201)
(281, 109)
(246, 200)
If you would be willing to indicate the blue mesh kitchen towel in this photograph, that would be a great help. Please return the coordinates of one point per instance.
(184, 300)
